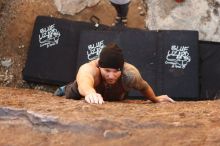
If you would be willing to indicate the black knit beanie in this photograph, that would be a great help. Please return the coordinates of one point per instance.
(111, 57)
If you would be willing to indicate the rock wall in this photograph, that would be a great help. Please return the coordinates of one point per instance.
(187, 15)
(36, 118)
(72, 7)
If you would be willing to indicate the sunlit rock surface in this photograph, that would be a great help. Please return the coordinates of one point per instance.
(72, 7)
(201, 15)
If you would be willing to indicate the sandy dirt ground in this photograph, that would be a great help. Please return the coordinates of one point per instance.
(34, 117)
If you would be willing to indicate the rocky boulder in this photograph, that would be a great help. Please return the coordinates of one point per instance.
(72, 7)
(202, 16)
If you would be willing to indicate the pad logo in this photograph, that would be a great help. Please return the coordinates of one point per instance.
(178, 56)
(49, 36)
(94, 50)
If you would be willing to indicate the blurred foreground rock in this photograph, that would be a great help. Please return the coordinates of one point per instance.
(38, 118)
